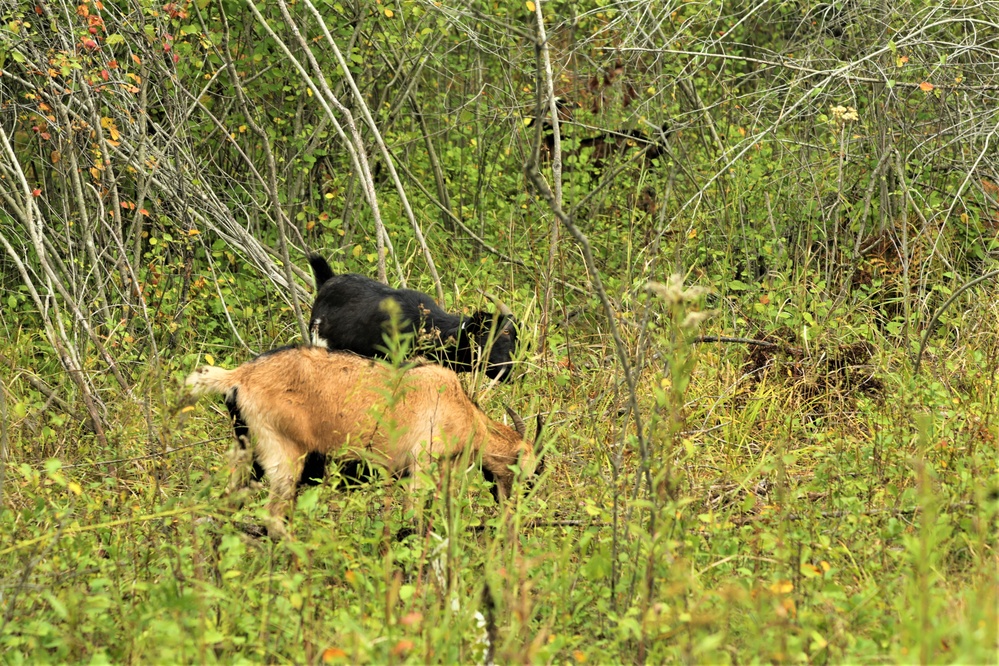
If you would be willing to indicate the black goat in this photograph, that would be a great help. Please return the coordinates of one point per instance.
(350, 313)
(565, 110)
(616, 143)
(610, 144)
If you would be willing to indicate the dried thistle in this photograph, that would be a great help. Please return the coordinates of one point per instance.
(673, 292)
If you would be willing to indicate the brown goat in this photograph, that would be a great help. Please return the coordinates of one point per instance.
(304, 400)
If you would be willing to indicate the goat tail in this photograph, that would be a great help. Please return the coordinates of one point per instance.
(321, 269)
(210, 379)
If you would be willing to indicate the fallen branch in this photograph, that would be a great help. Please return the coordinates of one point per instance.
(745, 341)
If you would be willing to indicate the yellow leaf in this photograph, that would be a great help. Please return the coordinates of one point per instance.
(74, 487)
(530, 6)
(782, 587)
(210, 359)
(789, 607)
(926, 87)
(389, 13)
(809, 570)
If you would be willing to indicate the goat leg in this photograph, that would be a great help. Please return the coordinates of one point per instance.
(240, 467)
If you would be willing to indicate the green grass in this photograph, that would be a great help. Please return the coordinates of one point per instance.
(781, 516)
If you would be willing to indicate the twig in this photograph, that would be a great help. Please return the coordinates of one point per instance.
(475, 237)
(565, 523)
(38, 385)
(745, 341)
(80, 529)
(548, 523)
(844, 513)
(271, 185)
(3, 437)
(751, 341)
(372, 126)
(146, 457)
(788, 63)
(746, 520)
(936, 315)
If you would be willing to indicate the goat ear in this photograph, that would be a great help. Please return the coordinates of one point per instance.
(476, 323)
(482, 321)
(539, 449)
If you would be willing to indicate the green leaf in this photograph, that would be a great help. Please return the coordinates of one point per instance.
(737, 285)
(57, 606)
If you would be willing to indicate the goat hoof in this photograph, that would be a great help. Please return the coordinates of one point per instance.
(276, 530)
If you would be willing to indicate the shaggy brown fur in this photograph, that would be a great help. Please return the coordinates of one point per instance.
(305, 400)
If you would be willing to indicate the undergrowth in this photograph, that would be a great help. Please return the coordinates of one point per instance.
(810, 500)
